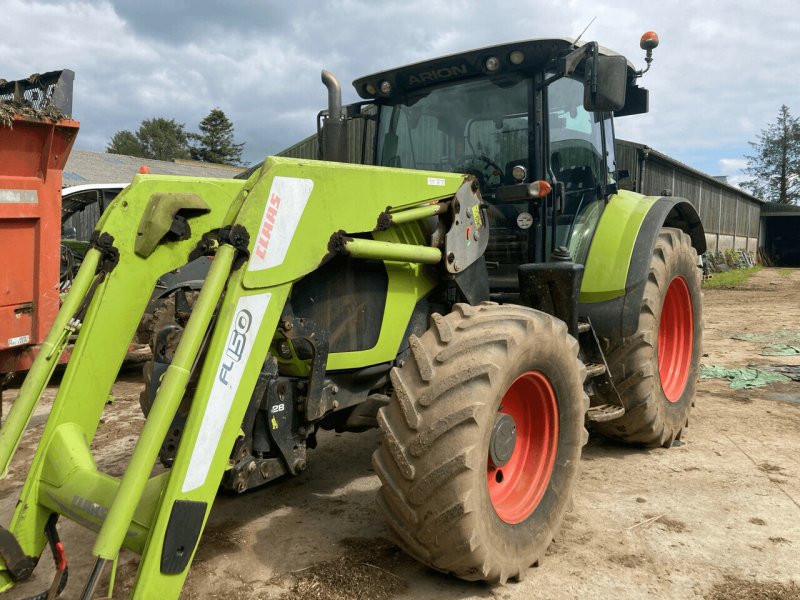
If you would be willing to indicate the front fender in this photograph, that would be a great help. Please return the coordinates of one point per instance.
(619, 258)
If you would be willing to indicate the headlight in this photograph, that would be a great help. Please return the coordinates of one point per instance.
(492, 64)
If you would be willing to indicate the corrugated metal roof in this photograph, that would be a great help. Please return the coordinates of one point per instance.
(776, 209)
(100, 167)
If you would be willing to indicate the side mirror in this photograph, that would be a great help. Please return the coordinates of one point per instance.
(605, 83)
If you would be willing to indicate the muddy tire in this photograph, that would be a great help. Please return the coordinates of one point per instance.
(162, 349)
(482, 440)
(161, 317)
(656, 369)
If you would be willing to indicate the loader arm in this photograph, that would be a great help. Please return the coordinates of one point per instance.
(264, 234)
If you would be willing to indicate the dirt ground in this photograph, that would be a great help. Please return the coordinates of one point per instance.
(716, 517)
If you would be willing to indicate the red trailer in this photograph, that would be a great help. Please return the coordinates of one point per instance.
(36, 136)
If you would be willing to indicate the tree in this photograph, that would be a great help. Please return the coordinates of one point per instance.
(158, 138)
(775, 166)
(163, 139)
(215, 143)
(124, 142)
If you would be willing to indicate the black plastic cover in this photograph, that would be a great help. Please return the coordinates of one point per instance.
(552, 288)
(183, 533)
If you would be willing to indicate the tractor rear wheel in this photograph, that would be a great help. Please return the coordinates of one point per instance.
(655, 370)
(482, 440)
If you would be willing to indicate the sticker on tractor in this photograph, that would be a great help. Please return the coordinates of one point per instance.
(476, 215)
(437, 181)
(524, 220)
(287, 200)
(18, 341)
(241, 336)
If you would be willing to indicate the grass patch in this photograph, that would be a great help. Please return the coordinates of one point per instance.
(784, 272)
(732, 278)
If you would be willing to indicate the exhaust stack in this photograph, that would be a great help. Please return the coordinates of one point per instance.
(333, 142)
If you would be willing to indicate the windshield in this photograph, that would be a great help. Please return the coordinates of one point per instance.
(478, 127)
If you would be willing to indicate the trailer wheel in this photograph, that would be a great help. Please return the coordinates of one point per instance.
(482, 440)
(655, 370)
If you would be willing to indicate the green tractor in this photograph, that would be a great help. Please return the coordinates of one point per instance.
(480, 293)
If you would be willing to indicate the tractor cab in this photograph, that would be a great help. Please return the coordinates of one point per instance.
(530, 121)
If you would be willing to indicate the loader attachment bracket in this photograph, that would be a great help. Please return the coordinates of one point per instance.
(305, 330)
(104, 242)
(468, 236)
(166, 214)
(236, 235)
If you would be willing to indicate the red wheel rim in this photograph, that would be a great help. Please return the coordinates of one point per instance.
(516, 488)
(675, 332)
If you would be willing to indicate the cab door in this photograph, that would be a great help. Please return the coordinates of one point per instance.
(580, 155)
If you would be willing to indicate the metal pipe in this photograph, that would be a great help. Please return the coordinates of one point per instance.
(169, 396)
(417, 214)
(94, 578)
(334, 136)
(334, 95)
(45, 363)
(375, 250)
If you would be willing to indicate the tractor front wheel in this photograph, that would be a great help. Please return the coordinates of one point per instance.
(482, 440)
(655, 370)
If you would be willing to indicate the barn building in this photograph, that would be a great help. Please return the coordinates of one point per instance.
(731, 217)
(780, 233)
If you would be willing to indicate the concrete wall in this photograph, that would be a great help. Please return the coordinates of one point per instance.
(725, 242)
(721, 242)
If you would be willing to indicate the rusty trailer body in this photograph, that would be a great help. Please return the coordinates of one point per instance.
(36, 136)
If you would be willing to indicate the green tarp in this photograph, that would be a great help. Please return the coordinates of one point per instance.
(785, 342)
(747, 377)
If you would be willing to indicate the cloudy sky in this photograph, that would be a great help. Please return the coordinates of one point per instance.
(721, 73)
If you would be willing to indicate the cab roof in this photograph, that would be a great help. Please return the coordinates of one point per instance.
(535, 55)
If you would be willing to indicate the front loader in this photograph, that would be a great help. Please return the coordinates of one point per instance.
(479, 295)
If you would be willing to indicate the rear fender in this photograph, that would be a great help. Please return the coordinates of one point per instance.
(619, 259)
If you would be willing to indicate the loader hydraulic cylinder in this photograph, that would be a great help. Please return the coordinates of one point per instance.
(375, 250)
(31, 391)
(165, 405)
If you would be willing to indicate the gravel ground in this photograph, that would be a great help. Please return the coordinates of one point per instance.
(716, 517)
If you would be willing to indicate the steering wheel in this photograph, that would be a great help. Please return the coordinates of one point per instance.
(488, 174)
